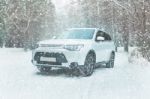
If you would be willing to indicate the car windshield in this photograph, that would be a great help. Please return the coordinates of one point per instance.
(77, 34)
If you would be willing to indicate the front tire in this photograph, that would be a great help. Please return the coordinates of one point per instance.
(110, 63)
(88, 68)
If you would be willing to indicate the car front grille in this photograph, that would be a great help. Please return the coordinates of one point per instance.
(60, 58)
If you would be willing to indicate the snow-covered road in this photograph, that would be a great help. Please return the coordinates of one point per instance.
(19, 79)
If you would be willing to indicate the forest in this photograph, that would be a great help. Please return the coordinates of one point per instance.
(25, 22)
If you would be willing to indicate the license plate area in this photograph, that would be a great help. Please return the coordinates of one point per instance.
(48, 59)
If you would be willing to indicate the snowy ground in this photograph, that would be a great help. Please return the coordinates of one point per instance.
(19, 79)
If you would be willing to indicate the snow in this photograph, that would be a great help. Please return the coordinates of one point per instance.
(60, 5)
(19, 79)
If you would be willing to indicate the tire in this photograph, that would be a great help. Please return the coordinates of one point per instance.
(110, 63)
(44, 69)
(88, 68)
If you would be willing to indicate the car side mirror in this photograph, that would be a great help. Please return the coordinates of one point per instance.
(100, 38)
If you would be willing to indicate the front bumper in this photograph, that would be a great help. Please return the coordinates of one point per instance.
(64, 58)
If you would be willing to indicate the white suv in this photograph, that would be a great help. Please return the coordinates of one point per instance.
(79, 49)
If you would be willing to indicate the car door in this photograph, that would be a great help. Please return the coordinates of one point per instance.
(108, 46)
(102, 47)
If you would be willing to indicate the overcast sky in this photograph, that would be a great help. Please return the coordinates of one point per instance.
(60, 3)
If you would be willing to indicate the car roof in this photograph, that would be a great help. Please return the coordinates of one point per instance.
(95, 29)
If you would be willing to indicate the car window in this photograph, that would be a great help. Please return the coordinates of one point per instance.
(77, 34)
(103, 34)
(107, 37)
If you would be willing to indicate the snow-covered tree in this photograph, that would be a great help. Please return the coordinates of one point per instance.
(26, 21)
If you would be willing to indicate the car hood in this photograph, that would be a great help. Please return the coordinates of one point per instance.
(65, 41)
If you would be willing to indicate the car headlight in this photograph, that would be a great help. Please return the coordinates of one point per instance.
(41, 45)
(73, 47)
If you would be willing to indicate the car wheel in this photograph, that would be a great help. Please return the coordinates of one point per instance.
(44, 69)
(88, 67)
(110, 63)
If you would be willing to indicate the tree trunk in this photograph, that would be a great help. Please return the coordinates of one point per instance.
(125, 31)
(126, 46)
